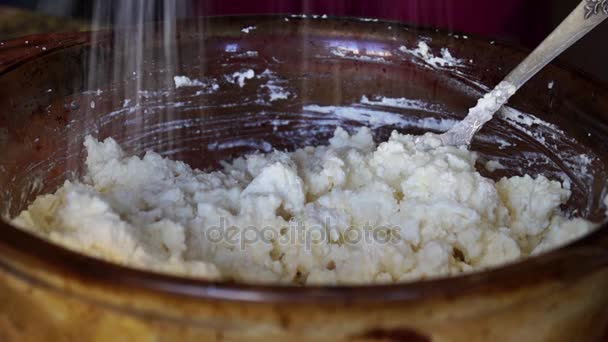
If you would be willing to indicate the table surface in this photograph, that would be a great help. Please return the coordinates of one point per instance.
(17, 22)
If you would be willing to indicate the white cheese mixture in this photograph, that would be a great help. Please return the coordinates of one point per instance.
(352, 212)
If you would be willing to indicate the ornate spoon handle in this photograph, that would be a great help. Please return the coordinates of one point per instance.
(587, 15)
(595, 7)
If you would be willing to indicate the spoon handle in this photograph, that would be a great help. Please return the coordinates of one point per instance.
(587, 15)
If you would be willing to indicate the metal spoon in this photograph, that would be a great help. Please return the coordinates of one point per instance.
(583, 19)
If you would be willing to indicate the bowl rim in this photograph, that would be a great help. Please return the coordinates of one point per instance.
(30, 249)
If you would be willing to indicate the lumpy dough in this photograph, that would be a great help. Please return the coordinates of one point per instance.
(352, 212)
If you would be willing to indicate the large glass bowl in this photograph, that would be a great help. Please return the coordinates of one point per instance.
(336, 73)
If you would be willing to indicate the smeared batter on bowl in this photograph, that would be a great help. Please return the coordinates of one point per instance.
(352, 212)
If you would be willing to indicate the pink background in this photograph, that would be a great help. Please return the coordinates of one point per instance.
(523, 21)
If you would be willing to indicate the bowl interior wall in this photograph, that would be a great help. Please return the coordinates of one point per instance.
(50, 103)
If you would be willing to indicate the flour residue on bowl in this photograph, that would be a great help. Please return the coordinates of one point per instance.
(424, 52)
(274, 87)
(248, 29)
(262, 146)
(240, 77)
(379, 118)
(206, 86)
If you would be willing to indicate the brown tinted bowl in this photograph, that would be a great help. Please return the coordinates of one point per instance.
(52, 294)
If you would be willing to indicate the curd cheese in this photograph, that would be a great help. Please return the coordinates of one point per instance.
(352, 212)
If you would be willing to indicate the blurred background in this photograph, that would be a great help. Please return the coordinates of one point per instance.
(520, 22)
